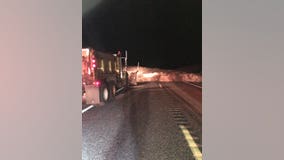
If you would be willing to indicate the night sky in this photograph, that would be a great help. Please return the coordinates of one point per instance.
(157, 33)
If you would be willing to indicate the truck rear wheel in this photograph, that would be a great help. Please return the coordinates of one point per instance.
(104, 93)
(113, 90)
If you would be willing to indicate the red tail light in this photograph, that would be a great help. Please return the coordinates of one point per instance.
(94, 63)
(97, 83)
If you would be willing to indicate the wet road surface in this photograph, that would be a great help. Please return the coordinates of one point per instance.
(151, 121)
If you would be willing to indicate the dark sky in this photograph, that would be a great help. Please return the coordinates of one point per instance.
(157, 33)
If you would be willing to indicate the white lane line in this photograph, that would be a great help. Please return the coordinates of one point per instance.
(194, 85)
(191, 143)
(160, 85)
(84, 110)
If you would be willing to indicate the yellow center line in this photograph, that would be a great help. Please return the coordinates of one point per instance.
(191, 144)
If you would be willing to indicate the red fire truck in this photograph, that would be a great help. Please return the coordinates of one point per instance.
(103, 75)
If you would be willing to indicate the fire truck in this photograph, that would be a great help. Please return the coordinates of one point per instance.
(103, 75)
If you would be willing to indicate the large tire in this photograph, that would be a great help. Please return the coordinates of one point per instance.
(112, 89)
(104, 93)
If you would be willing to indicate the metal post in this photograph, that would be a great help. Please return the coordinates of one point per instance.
(120, 66)
(138, 66)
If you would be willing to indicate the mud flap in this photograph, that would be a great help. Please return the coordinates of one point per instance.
(92, 95)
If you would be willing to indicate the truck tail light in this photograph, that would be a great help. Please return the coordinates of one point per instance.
(97, 83)
(94, 63)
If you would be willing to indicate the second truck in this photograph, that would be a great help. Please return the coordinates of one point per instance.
(103, 75)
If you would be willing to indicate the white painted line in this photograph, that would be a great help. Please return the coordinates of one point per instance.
(160, 85)
(84, 110)
(191, 143)
(119, 89)
(194, 85)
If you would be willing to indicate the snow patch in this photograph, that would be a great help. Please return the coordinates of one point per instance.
(145, 74)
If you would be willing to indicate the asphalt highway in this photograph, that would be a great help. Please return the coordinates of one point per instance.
(151, 121)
